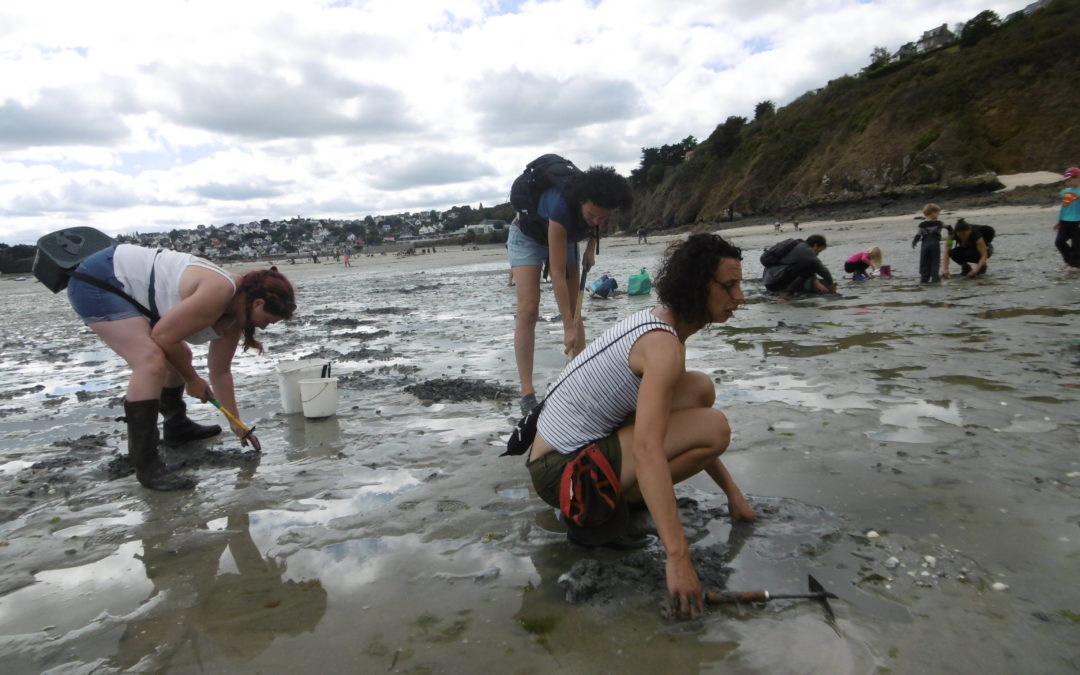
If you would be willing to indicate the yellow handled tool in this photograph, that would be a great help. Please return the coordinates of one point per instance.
(243, 427)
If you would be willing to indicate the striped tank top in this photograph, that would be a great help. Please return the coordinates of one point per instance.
(600, 389)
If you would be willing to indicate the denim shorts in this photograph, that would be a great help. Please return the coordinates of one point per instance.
(93, 304)
(524, 250)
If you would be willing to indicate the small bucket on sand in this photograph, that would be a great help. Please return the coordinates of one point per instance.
(289, 374)
(886, 272)
(319, 397)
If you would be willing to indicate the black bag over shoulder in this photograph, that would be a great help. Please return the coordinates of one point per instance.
(543, 173)
(59, 253)
(774, 254)
(524, 433)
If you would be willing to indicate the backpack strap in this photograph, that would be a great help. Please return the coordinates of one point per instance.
(602, 350)
(525, 430)
(94, 281)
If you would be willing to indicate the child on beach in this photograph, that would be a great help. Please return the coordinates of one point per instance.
(858, 265)
(1068, 225)
(930, 235)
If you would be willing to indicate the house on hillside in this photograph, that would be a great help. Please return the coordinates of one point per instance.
(1030, 9)
(486, 226)
(936, 37)
(906, 51)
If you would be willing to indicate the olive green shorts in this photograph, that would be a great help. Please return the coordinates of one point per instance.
(547, 471)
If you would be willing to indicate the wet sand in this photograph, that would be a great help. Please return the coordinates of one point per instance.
(911, 446)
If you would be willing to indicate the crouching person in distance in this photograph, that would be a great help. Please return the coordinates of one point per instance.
(198, 302)
(628, 402)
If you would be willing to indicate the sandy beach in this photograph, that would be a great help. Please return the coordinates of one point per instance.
(913, 447)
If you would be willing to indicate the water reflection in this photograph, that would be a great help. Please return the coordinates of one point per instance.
(237, 613)
(312, 438)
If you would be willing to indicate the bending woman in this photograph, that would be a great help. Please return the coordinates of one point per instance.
(198, 302)
(651, 419)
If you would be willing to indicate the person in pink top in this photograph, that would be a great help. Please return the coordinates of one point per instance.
(860, 264)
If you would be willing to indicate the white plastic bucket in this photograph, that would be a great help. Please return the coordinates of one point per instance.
(319, 397)
(289, 374)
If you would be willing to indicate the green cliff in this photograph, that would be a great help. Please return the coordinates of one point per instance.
(947, 120)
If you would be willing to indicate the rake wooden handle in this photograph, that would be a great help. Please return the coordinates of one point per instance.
(735, 597)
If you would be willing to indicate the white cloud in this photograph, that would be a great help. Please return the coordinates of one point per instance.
(140, 115)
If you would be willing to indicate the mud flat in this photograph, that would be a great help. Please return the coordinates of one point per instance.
(911, 446)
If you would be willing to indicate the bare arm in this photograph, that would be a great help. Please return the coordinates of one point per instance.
(219, 361)
(560, 285)
(660, 358)
(206, 302)
(984, 254)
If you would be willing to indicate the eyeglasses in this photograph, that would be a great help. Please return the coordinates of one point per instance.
(727, 285)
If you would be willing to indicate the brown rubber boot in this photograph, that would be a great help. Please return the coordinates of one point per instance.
(142, 448)
(178, 427)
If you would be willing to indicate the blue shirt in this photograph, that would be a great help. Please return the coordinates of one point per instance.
(553, 206)
(1070, 204)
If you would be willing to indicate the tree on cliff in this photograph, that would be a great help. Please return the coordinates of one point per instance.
(982, 24)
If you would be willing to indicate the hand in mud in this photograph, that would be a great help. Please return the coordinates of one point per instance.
(249, 438)
(945, 274)
(199, 388)
(684, 589)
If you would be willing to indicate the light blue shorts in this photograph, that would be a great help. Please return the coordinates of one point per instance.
(93, 304)
(524, 250)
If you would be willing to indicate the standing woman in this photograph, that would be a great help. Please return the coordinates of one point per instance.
(567, 217)
(630, 398)
(198, 302)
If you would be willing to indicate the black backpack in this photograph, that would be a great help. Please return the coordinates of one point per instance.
(543, 173)
(774, 255)
(985, 231)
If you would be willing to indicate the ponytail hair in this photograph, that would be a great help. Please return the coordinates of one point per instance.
(277, 294)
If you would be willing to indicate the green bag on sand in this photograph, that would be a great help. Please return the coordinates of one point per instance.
(639, 284)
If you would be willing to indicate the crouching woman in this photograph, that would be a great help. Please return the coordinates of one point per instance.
(198, 303)
(629, 399)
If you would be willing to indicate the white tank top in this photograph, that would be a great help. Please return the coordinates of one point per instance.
(600, 389)
(131, 266)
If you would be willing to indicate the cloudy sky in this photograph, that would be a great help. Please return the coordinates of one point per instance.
(149, 115)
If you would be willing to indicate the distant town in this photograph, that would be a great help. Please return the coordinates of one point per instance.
(301, 236)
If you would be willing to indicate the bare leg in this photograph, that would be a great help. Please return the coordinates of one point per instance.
(695, 438)
(697, 434)
(130, 338)
(527, 283)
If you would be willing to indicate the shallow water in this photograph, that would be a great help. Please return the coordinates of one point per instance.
(910, 446)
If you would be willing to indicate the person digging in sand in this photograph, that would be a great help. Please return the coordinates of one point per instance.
(800, 270)
(567, 215)
(198, 302)
(971, 249)
(627, 410)
(863, 264)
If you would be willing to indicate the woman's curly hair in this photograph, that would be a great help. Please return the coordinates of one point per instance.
(686, 272)
(277, 294)
(601, 185)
